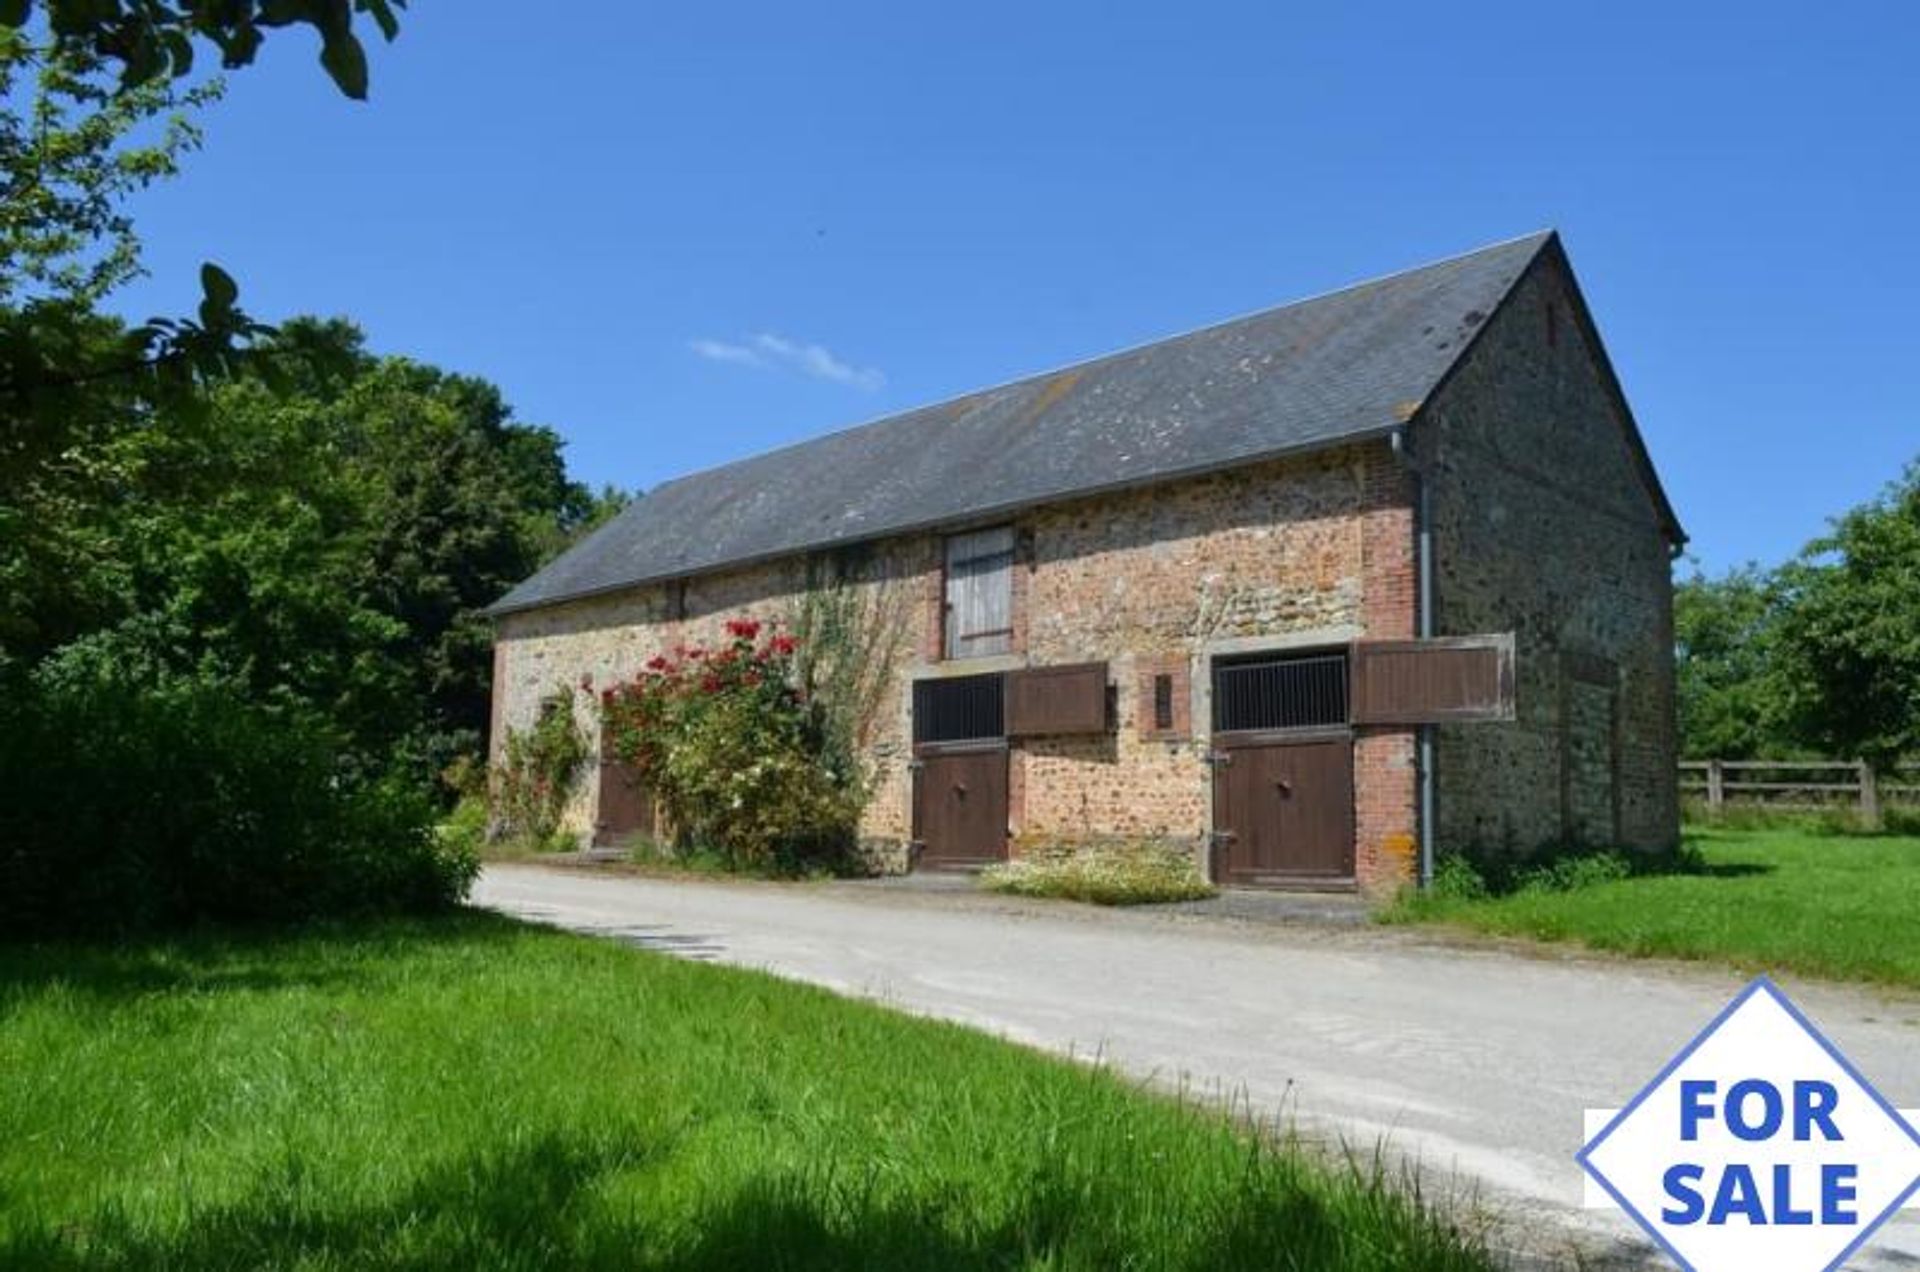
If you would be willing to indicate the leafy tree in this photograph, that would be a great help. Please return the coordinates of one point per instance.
(154, 39)
(73, 146)
(461, 501)
(1849, 636)
(94, 102)
(1729, 695)
(327, 534)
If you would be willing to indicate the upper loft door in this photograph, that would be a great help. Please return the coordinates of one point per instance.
(979, 593)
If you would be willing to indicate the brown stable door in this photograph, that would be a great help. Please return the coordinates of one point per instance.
(1283, 812)
(960, 807)
(626, 807)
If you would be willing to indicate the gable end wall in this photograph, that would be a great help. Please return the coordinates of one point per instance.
(1543, 525)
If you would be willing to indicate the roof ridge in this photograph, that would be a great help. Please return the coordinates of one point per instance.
(1545, 236)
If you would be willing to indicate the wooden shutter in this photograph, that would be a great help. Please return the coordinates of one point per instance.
(1448, 679)
(1070, 699)
(980, 593)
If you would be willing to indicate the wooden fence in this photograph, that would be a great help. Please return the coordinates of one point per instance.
(1800, 785)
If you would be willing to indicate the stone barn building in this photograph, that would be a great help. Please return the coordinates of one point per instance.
(1312, 593)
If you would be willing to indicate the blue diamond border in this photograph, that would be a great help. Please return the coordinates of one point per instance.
(1759, 984)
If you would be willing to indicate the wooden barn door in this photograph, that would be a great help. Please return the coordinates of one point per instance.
(1283, 811)
(1283, 771)
(625, 806)
(960, 771)
(960, 806)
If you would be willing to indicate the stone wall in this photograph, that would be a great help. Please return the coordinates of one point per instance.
(1301, 552)
(1168, 574)
(1544, 525)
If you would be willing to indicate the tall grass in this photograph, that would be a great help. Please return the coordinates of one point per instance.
(1795, 900)
(475, 1094)
(1895, 819)
(1102, 871)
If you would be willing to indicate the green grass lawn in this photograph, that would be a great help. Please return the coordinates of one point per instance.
(477, 1094)
(1840, 906)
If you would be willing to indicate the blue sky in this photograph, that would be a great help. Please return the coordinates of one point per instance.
(680, 234)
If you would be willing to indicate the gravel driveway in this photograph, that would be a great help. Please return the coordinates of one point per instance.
(1474, 1060)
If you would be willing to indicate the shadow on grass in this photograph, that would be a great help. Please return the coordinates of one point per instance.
(645, 936)
(541, 1205)
(233, 960)
(1724, 870)
(1479, 875)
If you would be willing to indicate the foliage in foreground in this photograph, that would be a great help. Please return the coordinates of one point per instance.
(135, 804)
(1105, 872)
(1839, 906)
(155, 39)
(471, 1093)
(239, 569)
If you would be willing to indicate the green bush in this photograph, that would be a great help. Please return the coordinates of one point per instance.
(166, 802)
(464, 830)
(1105, 872)
(1469, 877)
(1457, 879)
(1583, 870)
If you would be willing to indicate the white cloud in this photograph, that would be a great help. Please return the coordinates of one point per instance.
(769, 351)
(721, 351)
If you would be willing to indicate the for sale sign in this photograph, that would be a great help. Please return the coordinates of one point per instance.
(1758, 1147)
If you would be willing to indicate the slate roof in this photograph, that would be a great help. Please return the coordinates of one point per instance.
(1336, 368)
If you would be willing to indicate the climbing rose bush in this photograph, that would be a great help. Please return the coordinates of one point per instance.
(736, 754)
(537, 775)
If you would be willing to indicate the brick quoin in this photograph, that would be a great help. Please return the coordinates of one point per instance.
(1385, 760)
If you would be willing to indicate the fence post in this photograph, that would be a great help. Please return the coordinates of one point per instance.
(1716, 787)
(1869, 797)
